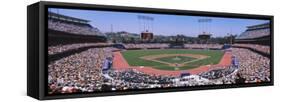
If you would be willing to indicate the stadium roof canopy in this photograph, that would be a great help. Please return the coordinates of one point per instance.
(258, 26)
(255, 31)
(67, 18)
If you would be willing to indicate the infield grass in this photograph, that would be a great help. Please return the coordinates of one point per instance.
(176, 59)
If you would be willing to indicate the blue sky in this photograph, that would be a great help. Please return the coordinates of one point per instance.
(162, 24)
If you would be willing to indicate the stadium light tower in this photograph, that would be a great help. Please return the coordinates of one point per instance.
(146, 27)
(231, 38)
(203, 26)
(111, 28)
(146, 23)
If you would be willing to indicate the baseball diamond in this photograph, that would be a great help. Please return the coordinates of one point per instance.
(170, 61)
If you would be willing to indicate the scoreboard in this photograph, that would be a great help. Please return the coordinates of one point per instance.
(146, 36)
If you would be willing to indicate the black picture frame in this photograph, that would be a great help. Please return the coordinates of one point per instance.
(37, 54)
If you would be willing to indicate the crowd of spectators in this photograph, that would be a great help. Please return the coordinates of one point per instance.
(62, 48)
(217, 73)
(253, 67)
(134, 76)
(133, 79)
(74, 28)
(191, 80)
(261, 48)
(203, 46)
(82, 72)
(78, 72)
(144, 46)
(163, 45)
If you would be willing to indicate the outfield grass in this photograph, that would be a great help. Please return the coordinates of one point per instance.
(133, 58)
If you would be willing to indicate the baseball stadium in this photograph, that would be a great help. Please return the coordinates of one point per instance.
(95, 51)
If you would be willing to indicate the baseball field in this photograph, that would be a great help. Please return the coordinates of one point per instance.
(172, 59)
